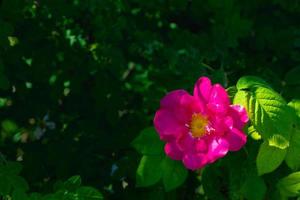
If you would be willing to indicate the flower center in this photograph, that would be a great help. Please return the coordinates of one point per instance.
(198, 125)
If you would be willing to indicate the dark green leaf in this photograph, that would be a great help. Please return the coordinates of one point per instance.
(5, 186)
(19, 195)
(292, 157)
(89, 193)
(72, 183)
(19, 183)
(9, 126)
(13, 168)
(149, 171)
(148, 142)
(254, 188)
(174, 173)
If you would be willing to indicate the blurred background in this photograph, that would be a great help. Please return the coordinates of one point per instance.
(80, 79)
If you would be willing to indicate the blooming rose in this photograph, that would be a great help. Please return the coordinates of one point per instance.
(202, 128)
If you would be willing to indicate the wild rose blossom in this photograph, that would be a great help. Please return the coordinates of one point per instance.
(202, 128)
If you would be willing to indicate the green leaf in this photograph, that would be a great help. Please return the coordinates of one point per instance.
(254, 188)
(9, 178)
(5, 186)
(242, 97)
(269, 158)
(148, 142)
(89, 193)
(149, 171)
(247, 82)
(9, 126)
(253, 133)
(231, 91)
(292, 156)
(19, 183)
(13, 168)
(52, 197)
(19, 195)
(295, 105)
(3, 102)
(174, 173)
(278, 141)
(268, 112)
(35, 196)
(58, 185)
(72, 183)
(289, 186)
(152, 168)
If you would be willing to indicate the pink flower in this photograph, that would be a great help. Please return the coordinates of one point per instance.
(202, 128)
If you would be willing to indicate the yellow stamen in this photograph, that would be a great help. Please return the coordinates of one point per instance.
(198, 125)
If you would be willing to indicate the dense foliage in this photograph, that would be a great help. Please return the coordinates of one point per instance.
(80, 82)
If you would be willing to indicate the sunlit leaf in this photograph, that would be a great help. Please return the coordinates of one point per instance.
(253, 133)
(268, 112)
(289, 186)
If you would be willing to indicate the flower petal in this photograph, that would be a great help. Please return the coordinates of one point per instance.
(194, 161)
(167, 125)
(239, 115)
(201, 145)
(186, 143)
(236, 139)
(173, 151)
(202, 89)
(217, 148)
(172, 99)
(220, 124)
(192, 105)
(182, 104)
(219, 100)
